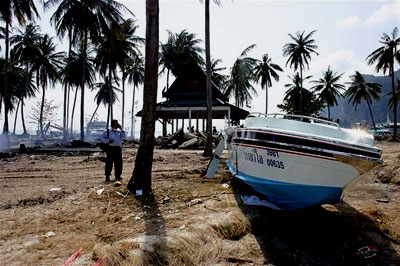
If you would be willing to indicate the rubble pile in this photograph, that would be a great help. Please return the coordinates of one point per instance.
(182, 140)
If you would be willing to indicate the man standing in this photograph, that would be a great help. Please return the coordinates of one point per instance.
(113, 137)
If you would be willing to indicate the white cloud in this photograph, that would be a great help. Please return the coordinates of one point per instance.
(335, 60)
(385, 13)
(348, 22)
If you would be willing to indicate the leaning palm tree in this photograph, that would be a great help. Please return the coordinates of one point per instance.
(384, 58)
(329, 88)
(299, 52)
(141, 176)
(135, 74)
(360, 90)
(46, 64)
(263, 71)
(22, 10)
(239, 84)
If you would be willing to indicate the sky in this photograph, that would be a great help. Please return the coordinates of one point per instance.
(346, 33)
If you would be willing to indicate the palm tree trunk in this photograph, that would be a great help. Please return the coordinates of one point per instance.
(83, 85)
(68, 99)
(91, 119)
(394, 100)
(41, 112)
(372, 116)
(16, 116)
(73, 111)
(65, 112)
(110, 96)
(133, 113)
(108, 115)
(123, 101)
(329, 112)
(141, 176)
(301, 90)
(6, 139)
(208, 149)
(167, 78)
(22, 117)
(266, 99)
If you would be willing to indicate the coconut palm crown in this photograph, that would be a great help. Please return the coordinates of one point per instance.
(328, 88)
(359, 90)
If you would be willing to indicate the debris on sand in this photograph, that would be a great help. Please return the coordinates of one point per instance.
(73, 257)
(54, 189)
(49, 234)
(99, 191)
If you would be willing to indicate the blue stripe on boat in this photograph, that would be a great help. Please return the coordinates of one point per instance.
(290, 196)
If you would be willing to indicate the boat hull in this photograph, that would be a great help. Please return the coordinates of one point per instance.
(288, 178)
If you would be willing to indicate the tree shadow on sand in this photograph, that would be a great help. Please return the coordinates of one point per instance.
(154, 241)
(315, 236)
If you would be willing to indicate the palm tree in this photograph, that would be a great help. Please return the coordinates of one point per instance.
(208, 147)
(239, 82)
(299, 53)
(217, 78)
(263, 71)
(22, 10)
(360, 90)
(24, 47)
(129, 43)
(180, 50)
(104, 91)
(86, 18)
(25, 43)
(115, 48)
(24, 89)
(46, 64)
(135, 75)
(329, 88)
(141, 176)
(312, 105)
(64, 26)
(71, 74)
(384, 58)
(18, 82)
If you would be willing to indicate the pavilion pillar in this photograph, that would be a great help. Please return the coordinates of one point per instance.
(183, 124)
(197, 122)
(190, 119)
(172, 126)
(204, 130)
(229, 116)
(177, 125)
(164, 130)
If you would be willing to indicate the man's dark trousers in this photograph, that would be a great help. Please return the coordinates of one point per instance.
(114, 156)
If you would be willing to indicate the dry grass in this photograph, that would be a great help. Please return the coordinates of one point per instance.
(193, 221)
(234, 226)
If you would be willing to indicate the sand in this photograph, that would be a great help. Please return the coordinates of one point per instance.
(50, 206)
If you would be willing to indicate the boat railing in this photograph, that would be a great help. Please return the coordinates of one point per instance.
(302, 118)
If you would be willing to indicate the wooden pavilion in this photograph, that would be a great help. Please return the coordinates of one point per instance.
(186, 99)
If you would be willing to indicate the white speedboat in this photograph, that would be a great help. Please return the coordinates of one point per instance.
(299, 161)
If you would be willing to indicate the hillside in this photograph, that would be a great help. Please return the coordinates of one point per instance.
(348, 116)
